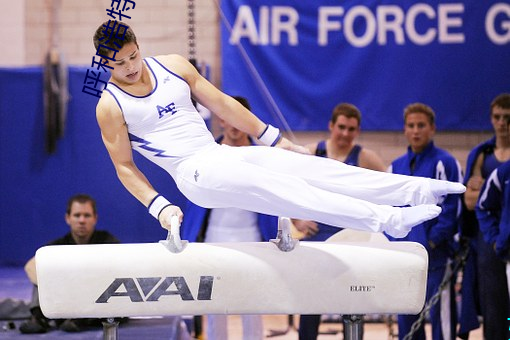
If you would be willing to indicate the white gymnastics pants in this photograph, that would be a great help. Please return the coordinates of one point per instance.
(278, 182)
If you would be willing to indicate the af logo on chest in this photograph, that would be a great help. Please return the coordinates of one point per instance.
(164, 110)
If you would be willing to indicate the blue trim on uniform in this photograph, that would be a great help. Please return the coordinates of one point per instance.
(114, 97)
(152, 201)
(277, 139)
(175, 74)
(145, 145)
(147, 95)
(262, 134)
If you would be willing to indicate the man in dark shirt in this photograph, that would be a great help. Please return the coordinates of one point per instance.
(81, 216)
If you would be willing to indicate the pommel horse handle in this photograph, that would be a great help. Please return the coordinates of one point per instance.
(173, 240)
(284, 240)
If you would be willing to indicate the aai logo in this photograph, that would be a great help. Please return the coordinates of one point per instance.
(152, 288)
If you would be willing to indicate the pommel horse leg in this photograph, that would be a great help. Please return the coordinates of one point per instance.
(110, 329)
(353, 327)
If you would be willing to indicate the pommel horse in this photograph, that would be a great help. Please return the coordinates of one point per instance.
(173, 277)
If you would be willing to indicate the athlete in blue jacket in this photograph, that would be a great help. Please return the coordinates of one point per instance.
(469, 310)
(484, 276)
(424, 159)
(493, 211)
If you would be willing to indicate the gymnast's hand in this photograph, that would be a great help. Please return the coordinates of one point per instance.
(166, 215)
(308, 228)
(286, 144)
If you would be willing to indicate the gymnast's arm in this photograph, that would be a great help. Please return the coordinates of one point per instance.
(368, 159)
(115, 138)
(224, 106)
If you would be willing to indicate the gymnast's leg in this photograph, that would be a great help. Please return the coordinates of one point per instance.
(331, 175)
(229, 182)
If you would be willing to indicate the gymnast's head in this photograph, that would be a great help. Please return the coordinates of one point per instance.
(344, 125)
(111, 36)
(116, 44)
(500, 114)
(346, 110)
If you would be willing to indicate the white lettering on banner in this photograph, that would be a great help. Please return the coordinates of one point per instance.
(274, 21)
(390, 18)
(244, 27)
(414, 36)
(490, 22)
(383, 24)
(371, 27)
(446, 21)
(325, 25)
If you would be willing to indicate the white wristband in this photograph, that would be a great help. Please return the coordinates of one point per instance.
(270, 136)
(157, 205)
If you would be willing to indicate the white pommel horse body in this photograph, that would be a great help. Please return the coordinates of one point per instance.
(153, 279)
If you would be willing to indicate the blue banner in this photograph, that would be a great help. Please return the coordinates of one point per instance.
(295, 60)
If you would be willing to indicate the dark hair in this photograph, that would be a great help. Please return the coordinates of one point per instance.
(81, 198)
(244, 102)
(420, 108)
(347, 110)
(102, 36)
(503, 101)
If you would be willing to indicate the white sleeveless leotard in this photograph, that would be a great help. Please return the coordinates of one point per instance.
(163, 126)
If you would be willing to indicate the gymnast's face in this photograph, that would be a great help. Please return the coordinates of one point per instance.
(419, 131)
(233, 136)
(344, 131)
(500, 118)
(82, 221)
(127, 67)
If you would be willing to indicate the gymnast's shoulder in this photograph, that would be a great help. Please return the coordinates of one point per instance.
(178, 65)
(107, 109)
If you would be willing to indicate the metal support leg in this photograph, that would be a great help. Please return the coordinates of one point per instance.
(353, 327)
(110, 329)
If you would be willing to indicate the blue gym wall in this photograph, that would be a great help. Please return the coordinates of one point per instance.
(35, 185)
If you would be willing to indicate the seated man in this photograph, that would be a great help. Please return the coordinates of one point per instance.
(81, 216)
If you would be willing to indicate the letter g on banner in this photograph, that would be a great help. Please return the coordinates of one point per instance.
(498, 35)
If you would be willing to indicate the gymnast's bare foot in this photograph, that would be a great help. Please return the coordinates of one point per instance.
(412, 216)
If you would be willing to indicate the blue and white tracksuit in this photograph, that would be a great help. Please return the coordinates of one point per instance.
(484, 279)
(434, 162)
(492, 211)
